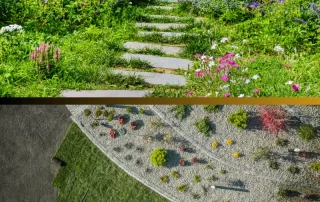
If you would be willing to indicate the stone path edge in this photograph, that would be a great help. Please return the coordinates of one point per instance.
(121, 165)
(191, 140)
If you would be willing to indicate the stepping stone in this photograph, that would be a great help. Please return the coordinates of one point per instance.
(197, 19)
(105, 93)
(161, 62)
(156, 78)
(161, 25)
(161, 7)
(170, 50)
(164, 34)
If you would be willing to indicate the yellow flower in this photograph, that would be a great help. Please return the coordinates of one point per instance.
(236, 154)
(214, 144)
(229, 142)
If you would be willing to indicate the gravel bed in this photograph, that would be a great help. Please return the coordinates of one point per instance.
(246, 142)
(233, 186)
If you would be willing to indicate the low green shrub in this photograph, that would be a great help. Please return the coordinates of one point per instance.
(110, 117)
(212, 178)
(203, 126)
(181, 111)
(95, 124)
(273, 165)
(159, 157)
(223, 171)
(182, 188)
(282, 142)
(197, 178)
(283, 192)
(105, 113)
(87, 112)
(164, 179)
(98, 112)
(307, 132)
(175, 174)
(263, 153)
(315, 167)
(211, 108)
(128, 109)
(293, 169)
(239, 119)
(141, 111)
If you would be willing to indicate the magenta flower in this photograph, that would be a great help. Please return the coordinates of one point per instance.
(198, 55)
(199, 74)
(225, 78)
(227, 95)
(296, 87)
(257, 91)
(190, 92)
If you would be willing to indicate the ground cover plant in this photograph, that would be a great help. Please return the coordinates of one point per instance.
(89, 173)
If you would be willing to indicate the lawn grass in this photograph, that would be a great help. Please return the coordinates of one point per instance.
(90, 176)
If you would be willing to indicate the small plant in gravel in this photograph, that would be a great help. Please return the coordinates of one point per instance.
(273, 165)
(95, 124)
(128, 157)
(182, 188)
(236, 154)
(139, 149)
(166, 138)
(211, 108)
(315, 166)
(203, 126)
(223, 172)
(164, 179)
(133, 125)
(87, 112)
(121, 120)
(181, 111)
(307, 132)
(128, 109)
(110, 117)
(273, 119)
(282, 192)
(181, 162)
(105, 113)
(128, 145)
(157, 124)
(159, 157)
(214, 144)
(98, 112)
(139, 162)
(117, 149)
(293, 169)
(229, 142)
(225, 200)
(122, 131)
(282, 142)
(141, 111)
(195, 196)
(175, 174)
(204, 189)
(112, 133)
(181, 148)
(263, 153)
(197, 178)
(194, 160)
(208, 166)
(212, 178)
(148, 170)
(239, 119)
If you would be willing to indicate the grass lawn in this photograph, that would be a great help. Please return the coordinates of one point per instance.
(91, 176)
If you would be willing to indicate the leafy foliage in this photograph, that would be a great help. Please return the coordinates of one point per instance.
(273, 119)
(239, 119)
(181, 111)
(203, 126)
(307, 132)
(159, 157)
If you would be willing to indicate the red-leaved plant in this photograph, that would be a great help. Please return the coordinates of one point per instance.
(181, 162)
(194, 160)
(133, 125)
(273, 119)
(121, 120)
(181, 148)
(112, 133)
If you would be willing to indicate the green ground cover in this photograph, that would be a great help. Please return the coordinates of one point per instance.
(90, 176)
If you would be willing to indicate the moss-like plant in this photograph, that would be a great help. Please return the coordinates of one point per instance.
(181, 111)
(87, 112)
(283, 192)
(105, 113)
(223, 172)
(195, 196)
(203, 126)
(141, 111)
(263, 153)
(95, 124)
(208, 166)
(293, 169)
(159, 157)
(164, 179)
(212, 178)
(98, 112)
(129, 109)
(110, 117)
(182, 188)
(211, 108)
(273, 165)
(175, 174)
(282, 142)
(197, 178)
(315, 166)
(239, 119)
(307, 132)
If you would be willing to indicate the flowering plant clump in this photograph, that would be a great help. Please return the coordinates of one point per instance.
(133, 125)
(112, 133)
(10, 28)
(194, 160)
(229, 142)
(236, 154)
(181, 162)
(121, 120)
(273, 119)
(45, 57)
(214, 144)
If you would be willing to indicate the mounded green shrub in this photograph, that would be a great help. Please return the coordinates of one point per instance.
(307, 132)
(315, 167)
(159, 157)
(203, 126)
(87, 112)
(239, 119)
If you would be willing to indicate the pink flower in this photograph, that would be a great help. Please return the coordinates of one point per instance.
(190, 93)
(198, 55)
(287, 66)
(296, 87)
(198, 74)
(253, 60)
(257, 91)
(40, 61)
(225, 78)
(227, 95)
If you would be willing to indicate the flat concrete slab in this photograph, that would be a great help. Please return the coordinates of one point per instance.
(161, 62)
(29, 137)
(197, 19)
(156, 78)
(170, 50)
(161, 25)
(160, 7)
(166, 34)
(105, 93)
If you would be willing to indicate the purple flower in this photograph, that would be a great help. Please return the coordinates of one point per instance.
(296, 87)
(281, 1)
(45, 1)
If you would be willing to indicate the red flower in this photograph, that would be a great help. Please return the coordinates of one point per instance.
(121, 120)
(112, 133)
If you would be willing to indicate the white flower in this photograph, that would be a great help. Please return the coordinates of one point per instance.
(244, 70)
(214, 45)
(208, 94)
(308, 88)
(198, 70)
(248, 96)
(130, 2)
(203, 57)
(241, 95)
(224, 39)
(232, 81)
(296, 150)
(211, 63)
(237, 56)
(224, 87)
(289, 82)
(211, 58)
(235, 47)
(247, 81)
(209, 82)
(255, 77)
(244, 41)
(278, 49)
(216, 93)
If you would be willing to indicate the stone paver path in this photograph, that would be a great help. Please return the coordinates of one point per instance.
(164, 34)
(170, 50)
(160, 25)
(105, 93)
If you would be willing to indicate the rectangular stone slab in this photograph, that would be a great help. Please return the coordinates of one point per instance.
(170, 50)
(161, 62)
(161, 25)
(156, 78)
(105, 93)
